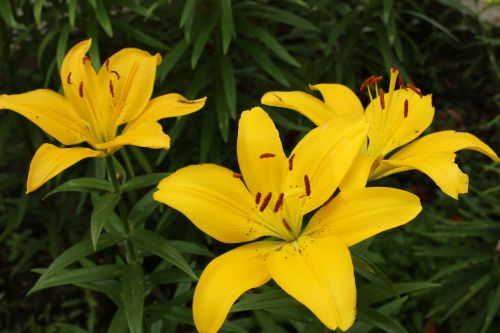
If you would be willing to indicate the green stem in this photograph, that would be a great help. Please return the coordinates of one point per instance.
(121, 207)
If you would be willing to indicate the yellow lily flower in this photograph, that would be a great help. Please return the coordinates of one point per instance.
(94, 108)
(396, 119)
(313, 264)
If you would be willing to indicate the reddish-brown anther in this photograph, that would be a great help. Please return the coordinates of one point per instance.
(257, 198)
(279, 202)
(80, 89)
(382, 101)
(265, 202)
(267, 155)
(405, 112)
(307, 184)
(290, 162)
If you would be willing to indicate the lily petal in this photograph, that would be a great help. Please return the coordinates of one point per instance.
(358, 174)
(325, 155)
(128, 76)
(260, 153)
(215, 200)
(340, 99)
(79, 82)
(49, 111)
(318, 272)
(311, 107)
(356, 215)
(168, 106)
(148, 135)
(439, 166)
(225, 279)
(49, 161)
(447, 141)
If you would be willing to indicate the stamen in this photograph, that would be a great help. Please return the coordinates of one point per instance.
(85, 59)
(107, 64)
(405, 112)
(308, 185)
(265, 202)
(415, 89)
(236, 175)
(80, 89)
(375, 80)
(287, 226)
(402, 83)
(257, 198)
(266, 155)
(394, 69)
(111, 90)
(382, 101)
(290, 162)
(366, 82)
(279, 202)
(68, 80)
(116, 73)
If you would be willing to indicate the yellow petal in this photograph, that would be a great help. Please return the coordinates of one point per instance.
(168, 106)
(356, 215)
(358, 174)
(131, 74)
(318, 272)
(447, 141)
(225, 279)
(324, 155)
(215, 200)
(439, 166)
(308, 105)
(260, 153)
(389, 128)
(148, 135)
(49, 161)
(79, 82)
(340, 99)
(49, 111)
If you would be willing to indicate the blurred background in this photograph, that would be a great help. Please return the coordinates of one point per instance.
(439, 274)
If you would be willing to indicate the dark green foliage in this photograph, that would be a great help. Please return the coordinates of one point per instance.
(233, 52)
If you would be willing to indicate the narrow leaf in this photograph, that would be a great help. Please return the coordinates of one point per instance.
(227, 23)
(87, 184)
(229, 83)
(133, 298)
(103, 18)
(144, 181)
(101, 214)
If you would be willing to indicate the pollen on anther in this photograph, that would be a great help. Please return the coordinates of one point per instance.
(415, 89)
(85, 59)
(394, 69)
(80, 89)
(257, 198)
(402, 83)
(236, 175)
(375, 80)
(117, 74)
(290, 162)
(405, 112)
(267, 155)
(265, 202)
(111, 89)
(68, 80)
(279, 202)
(382, 101)
(307, 184)
(366, 82)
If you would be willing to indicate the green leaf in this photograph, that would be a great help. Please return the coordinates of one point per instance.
(37, 12)
(8, 15)
(133, 296)
(379, 320)
(72, 12)
(188, 11)
(266, 300)
(201, 40)
(191, 248)
(75, 253)
(171, 59)
(101, 214)
(62, 45)
(271, 43)
(493, 306)
(161, 247)
(222, 112)
(266, 64)
(280, 15)
(119, 322)
(144, 181)
(434, 23)
(103, 18)
(267, 322)
(86, 184)
(143, 208)
(227, 23)
(80, 275)
(229, 83)
(68, 328)
(141, 36)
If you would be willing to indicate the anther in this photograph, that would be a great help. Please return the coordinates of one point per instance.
(80, 89)
(85, 59)
(394, 69)
(366, 82)
(402, 83)
(308, 185)
(415, 89)
(266, 155)
(279, 202)
(116, 73)
(375, 80)
(107, 64)
(405, 112)
(236, 175)
(290, 162)
(287, 226)
(265, 202)
(68, 80)
(111, 90)
(257, 198)
(381, 95)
